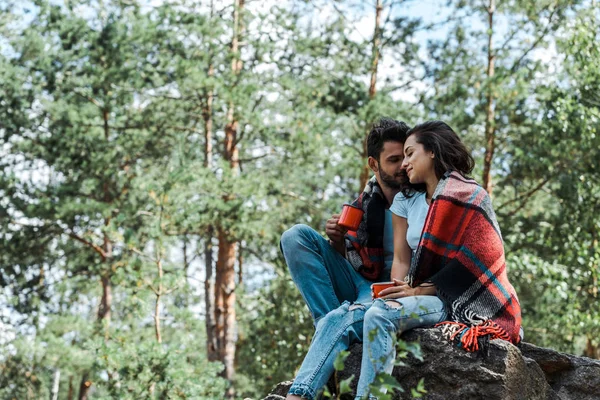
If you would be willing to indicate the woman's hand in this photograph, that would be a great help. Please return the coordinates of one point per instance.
(399, 290)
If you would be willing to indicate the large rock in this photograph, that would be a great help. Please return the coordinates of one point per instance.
(508, 372)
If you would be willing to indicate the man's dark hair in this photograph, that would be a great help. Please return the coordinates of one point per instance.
(385, 130)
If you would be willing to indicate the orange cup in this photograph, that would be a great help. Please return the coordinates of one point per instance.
(351, 217)
(378, 287)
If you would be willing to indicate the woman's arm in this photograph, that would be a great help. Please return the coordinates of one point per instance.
(402, 252)
(401, 265)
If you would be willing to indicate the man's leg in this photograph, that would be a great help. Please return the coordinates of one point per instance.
(325, 278)
(335, 332)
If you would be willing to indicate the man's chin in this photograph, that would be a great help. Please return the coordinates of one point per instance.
(392, 185)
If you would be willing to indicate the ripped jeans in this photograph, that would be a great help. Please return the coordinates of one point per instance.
(351, 323)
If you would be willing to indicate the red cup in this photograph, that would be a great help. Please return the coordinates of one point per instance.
(351, 217)
(378, 287)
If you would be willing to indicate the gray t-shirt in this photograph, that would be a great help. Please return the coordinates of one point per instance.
(414, 209)
(388, 240)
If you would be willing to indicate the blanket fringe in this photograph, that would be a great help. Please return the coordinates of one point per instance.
(470, 336)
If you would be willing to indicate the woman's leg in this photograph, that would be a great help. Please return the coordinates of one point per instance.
(335, 332)
(386, 319)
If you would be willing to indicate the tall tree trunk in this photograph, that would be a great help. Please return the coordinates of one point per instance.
(104, 309)
(158, 293)
(225, 326)
(182, 298)
(591, 350)
(376, 52)
(56, 384)
(84, 387)
(240, 264)
(376, 49)
(490, 127)
(71, 389)
(211, 346)
(40, 285)
(209, 291)
(207, 111)
(105, 306)
(225, 304)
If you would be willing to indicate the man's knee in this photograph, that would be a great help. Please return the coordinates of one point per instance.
(341, 316)
(333, 317)
(381, 313)
(294, 235)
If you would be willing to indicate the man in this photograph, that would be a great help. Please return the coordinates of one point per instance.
(329, 272)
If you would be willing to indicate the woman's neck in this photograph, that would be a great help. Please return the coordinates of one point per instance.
(430, 185)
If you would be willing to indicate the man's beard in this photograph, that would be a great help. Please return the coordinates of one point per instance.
(391, 181)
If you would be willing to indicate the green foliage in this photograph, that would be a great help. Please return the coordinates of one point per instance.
(341, 387)
(338, 364)
(554, 236)
(135, 365)
(147, 369)
(345, 385)
(88, 176)
(544, 190)
(104, 174)
(275, 331)
(419, 391)
(384, 386)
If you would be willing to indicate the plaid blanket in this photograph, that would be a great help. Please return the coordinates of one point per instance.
(462, 254)
(364, 248)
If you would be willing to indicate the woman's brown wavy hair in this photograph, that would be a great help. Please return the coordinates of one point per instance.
(450, 152)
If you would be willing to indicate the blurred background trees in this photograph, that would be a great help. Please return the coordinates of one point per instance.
(152, 155)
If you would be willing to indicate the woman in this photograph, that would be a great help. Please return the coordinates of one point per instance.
(441, 269)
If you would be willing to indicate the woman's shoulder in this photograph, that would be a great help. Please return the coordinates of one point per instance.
(404, 202)
(409, 197)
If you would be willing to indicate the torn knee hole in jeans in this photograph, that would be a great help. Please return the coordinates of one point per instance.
(356, 306)
(393, 304)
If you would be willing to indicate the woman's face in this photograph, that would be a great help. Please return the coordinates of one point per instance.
(418, 162)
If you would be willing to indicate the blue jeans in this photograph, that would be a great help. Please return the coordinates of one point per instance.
(325, 278)
(352, 323)
(329, 284)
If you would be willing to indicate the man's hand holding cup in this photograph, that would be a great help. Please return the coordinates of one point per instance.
(334, 231)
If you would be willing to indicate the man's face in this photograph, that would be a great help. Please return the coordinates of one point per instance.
(390, 171)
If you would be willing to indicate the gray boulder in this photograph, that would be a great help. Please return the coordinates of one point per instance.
(508, 372)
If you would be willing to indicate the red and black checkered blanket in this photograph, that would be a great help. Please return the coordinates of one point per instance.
(462, 254)
(364, 248)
